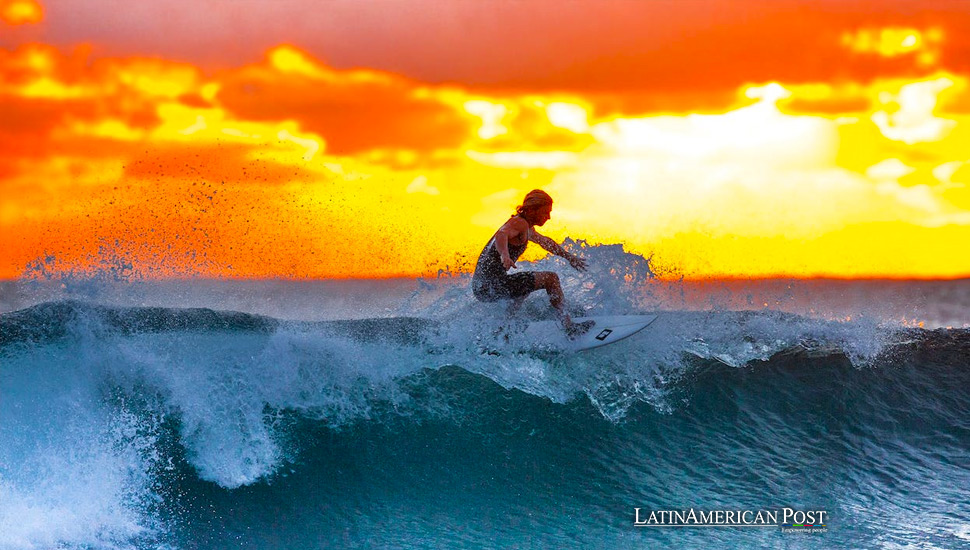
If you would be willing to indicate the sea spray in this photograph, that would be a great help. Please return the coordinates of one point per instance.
(125, 426)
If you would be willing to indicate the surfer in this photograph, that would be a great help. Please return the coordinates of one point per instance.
(492, 281)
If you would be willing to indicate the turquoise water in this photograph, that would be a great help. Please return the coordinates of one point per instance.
(380, 422)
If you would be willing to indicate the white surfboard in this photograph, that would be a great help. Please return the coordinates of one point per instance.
(605, 331)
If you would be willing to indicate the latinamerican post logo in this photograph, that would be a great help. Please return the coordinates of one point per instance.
(788, 520)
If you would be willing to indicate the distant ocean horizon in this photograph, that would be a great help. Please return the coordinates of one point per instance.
(937, 303)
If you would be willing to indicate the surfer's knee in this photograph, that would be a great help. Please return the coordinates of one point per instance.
(547, 280)
(550, 282)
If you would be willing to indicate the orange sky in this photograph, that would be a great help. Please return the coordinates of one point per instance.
(368, 139)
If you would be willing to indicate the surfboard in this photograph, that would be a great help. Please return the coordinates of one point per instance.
(608, 329)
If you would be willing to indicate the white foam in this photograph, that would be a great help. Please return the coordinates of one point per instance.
(85, 482)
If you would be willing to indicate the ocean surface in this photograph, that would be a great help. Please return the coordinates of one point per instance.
(203, 414)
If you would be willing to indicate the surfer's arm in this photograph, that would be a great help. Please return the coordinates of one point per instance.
(554, 248)
(502, 236)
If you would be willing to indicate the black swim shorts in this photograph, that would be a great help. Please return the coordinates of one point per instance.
(504, 287)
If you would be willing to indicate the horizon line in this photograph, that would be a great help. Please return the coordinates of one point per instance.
(403, 277)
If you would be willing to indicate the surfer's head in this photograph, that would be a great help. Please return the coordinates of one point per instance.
(536, 207)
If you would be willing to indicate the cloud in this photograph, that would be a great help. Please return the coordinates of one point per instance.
(923, 44)
(420, 185)
(48, 96)
(26, 124)
(21, 12)
(914, 120)
(889, 169)
(647, 53)
(532, 123)
(353, 111)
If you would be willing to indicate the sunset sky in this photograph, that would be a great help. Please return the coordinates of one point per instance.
(308, 138)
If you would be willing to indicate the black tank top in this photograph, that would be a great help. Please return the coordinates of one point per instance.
(490, 261)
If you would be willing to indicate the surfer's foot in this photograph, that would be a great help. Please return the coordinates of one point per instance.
(575, 330)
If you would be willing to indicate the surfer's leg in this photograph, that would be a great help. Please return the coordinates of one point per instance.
(518, 288)
(550, 282)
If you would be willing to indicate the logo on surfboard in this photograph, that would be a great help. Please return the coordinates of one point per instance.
(602, 335)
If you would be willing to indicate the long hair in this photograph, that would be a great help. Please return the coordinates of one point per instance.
(537, 198)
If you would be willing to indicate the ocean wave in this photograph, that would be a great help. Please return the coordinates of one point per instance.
(239, 397)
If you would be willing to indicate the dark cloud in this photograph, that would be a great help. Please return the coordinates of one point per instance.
(351, 114)
(827, 106)
(26, 123)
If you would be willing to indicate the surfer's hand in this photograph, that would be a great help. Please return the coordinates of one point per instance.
(507, 263)
(579, 264)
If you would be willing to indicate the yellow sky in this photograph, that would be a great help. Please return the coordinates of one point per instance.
(288, 167)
